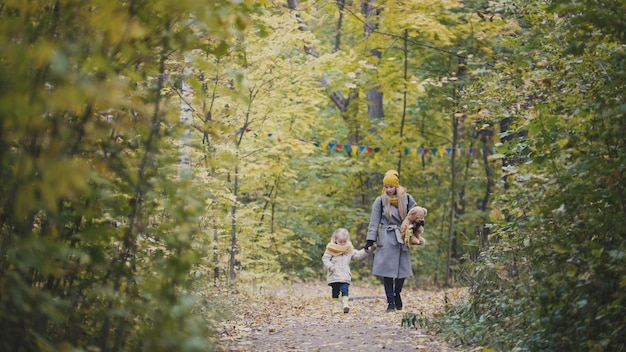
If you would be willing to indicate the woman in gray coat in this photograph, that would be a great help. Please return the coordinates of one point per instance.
(392, 260)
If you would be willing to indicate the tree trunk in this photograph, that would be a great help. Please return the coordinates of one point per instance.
(452, 199)
(232, 263)
(374, 96)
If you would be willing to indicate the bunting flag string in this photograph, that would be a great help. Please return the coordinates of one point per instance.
(353, 150)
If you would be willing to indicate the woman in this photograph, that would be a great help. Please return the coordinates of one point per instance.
(392, 260)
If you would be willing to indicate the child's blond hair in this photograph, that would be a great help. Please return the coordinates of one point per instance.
(340, 233)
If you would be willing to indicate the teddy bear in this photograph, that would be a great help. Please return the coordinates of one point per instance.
(412, 226)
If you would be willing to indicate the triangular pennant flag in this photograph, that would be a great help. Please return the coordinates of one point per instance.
(331, 146)
(449, 151)
(339, 147)
(348, 149)
(363, 149)
(434, 151)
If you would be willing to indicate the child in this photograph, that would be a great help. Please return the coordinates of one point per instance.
(339, 252)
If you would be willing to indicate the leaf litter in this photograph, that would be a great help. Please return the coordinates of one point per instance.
(296, 316)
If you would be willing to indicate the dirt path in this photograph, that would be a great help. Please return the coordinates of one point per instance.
(297, 317)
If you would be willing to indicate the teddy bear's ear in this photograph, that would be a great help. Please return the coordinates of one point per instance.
(425, 211)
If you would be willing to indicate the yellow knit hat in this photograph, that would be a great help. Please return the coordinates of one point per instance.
(391, 178)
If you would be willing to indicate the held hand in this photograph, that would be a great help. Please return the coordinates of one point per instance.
(368, 245)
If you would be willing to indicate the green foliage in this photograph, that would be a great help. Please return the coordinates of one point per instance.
(414, 320)
(97, 231)
(552, 280)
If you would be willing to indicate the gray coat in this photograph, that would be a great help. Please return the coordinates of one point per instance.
(392, 258)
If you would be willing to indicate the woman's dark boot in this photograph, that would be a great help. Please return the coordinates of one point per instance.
(389, 292)
(398, 301)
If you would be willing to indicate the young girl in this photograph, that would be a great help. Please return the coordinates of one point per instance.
(339, 252)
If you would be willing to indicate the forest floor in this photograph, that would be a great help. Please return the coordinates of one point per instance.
(297, 317)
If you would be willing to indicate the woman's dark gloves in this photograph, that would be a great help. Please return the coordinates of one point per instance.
(368, 244)
(417, 226)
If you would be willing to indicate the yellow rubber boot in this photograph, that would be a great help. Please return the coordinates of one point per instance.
(346, 306)
(336, 306)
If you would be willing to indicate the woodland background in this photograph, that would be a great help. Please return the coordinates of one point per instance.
(155, 153)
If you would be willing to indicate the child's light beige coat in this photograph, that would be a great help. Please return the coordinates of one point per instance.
(341, 264)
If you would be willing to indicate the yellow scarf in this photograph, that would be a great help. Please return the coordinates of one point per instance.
(393, 200)
(335, 249)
